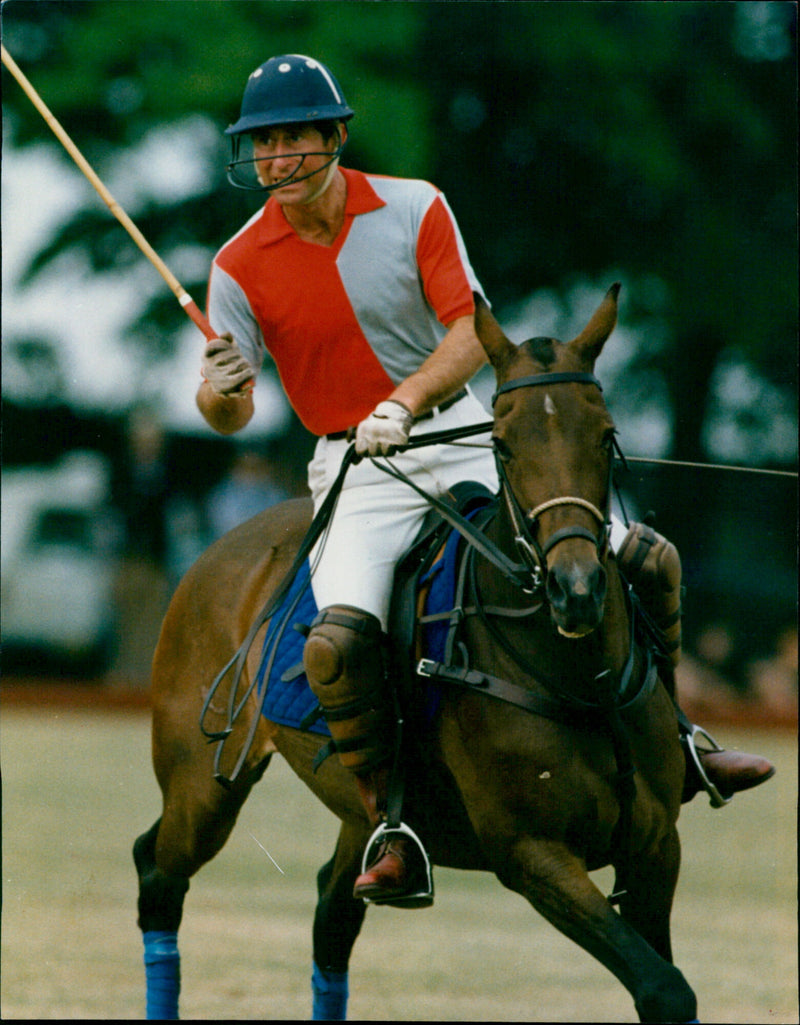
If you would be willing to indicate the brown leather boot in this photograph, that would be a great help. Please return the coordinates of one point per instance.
(652, 566)
(344, 662)
(397, 872)
(733, 771)
(720, 773)
(389, 876)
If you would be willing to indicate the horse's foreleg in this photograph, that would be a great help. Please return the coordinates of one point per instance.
(647, 888)
(337, 922)
(558, 886)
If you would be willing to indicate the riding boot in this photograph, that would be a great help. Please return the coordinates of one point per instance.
(652, 566)
(397, 868)
(720, 773)
(344, 660)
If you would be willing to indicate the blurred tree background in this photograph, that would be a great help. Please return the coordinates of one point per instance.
(578, 143)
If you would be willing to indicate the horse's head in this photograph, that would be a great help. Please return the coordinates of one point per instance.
(554, 441)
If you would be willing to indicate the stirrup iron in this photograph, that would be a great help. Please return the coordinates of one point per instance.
(715, 798)
(423, 897)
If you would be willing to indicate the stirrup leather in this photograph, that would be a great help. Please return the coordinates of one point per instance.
(423, 897)
(689, 740)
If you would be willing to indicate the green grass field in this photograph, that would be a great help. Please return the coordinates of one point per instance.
(78, 787)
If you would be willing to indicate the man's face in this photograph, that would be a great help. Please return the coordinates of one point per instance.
(286, 153)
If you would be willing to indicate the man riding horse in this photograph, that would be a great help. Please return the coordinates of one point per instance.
(360, 288)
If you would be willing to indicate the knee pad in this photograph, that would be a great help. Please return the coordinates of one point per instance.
(344, 660)
(653, 567)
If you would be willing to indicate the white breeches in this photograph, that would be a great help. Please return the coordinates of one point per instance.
(377, 518)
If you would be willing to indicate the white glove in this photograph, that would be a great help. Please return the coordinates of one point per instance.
(385, 429)
(224, 367)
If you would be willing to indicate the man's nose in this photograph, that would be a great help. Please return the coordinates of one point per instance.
(281, 159)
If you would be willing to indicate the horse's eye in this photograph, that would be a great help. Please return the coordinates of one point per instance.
(502, 449)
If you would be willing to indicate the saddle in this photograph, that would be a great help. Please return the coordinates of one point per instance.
(424, 612)
(423, 593)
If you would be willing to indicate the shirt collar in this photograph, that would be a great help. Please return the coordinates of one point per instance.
(361, 199)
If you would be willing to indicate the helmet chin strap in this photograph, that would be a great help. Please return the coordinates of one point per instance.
(331, 166)
(326, 181)
(290, 179)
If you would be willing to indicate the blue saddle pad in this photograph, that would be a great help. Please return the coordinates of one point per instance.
(441, 578)
(289, 701)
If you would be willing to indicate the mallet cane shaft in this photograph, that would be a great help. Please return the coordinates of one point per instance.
(181, 294)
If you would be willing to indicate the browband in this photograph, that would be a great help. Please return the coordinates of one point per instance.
(556, 378)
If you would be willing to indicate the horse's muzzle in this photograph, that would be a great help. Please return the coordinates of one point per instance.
(577, 596)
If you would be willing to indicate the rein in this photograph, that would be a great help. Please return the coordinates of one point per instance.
(239, 658)
(528, 575)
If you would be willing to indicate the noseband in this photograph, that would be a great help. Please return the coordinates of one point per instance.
(534, 553)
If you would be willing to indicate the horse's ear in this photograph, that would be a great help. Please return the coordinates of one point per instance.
(497, 347)
(591, 340)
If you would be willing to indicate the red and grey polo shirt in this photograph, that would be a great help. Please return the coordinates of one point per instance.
(346, 323)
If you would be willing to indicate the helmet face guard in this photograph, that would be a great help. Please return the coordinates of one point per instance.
(292, 89)
(243, 168)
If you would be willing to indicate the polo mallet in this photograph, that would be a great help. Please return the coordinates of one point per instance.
(181, 294)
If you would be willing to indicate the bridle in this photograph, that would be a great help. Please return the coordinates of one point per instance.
(529, 576)
(524, 524)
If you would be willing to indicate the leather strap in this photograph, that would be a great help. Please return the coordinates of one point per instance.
(555, 378)
(492, 686)
(239, 659)
(517, 572)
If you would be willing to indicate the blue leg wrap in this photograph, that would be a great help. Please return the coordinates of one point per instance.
(330, 995)
(162, 968)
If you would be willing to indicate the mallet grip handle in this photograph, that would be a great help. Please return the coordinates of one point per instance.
(181, 294)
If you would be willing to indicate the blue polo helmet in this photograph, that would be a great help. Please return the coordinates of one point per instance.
(290, 89)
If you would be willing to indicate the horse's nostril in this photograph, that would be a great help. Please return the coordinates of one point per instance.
(556, 590)
(576, 592)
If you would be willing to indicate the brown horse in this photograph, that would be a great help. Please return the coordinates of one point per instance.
(555, 749)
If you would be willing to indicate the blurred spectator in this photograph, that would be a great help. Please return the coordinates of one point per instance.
(703, 681)
(142, 489)
(249, 488)
(142, 589)
(773, 681)
(187, 537)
